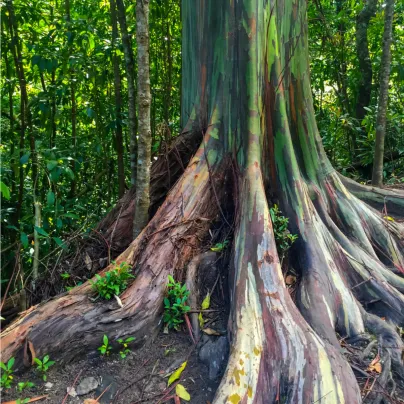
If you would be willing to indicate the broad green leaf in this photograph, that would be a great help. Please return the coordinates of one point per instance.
(60, 242)
(5, 191)
(51, 165)
(177, 374)
(181, 392)
(50, 198)
(70, 173)
(41, 231)
(24, 240)
(71, 215)
(24, 159)
(105, 340)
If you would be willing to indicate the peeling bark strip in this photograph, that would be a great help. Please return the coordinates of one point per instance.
(246, 83)
(144, 102)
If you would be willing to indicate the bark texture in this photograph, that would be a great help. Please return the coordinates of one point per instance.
(118, 102)
(130, 77)
(377, 175)
(365, 64)
(247, 89)
(144, 103)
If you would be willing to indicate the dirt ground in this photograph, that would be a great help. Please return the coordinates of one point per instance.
(140, 377)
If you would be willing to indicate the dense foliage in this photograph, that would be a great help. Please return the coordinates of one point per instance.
(59, 145)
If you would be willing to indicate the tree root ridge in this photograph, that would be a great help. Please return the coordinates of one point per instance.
(348, 256)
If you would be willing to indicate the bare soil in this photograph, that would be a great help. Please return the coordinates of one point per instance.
(140, 377)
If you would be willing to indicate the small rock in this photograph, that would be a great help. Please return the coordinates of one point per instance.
(107, 382)
(86, 385)
(48, 385)
(214, 354)
(71, 391)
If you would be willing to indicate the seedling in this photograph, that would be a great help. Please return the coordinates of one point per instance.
(22, 401)
(124, 351)
(7, 373)
(219, 247)
(105, 348)
(113, 283)
(24, 385)
(175, 303)
(65, 275)
(283, 238)
(43, 365)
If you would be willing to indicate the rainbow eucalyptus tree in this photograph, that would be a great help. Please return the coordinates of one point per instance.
(246, 86)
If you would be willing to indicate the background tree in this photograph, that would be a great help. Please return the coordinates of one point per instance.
(144, 103)
(377, 176)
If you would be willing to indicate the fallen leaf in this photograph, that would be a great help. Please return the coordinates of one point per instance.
(290, 280)
(206, 302)
(375, 365)
(389, 218)
(90, 401)
(176, 375)
(181, 392)
(210, 331)
(31, 400)
(201, 320)
(33, 354)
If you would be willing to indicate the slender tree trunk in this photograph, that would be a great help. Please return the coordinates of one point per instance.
(362, 51)
(130, 76)
(144, 103)
(118, 102)
(377, 176)
(25, 112)
(72, 100)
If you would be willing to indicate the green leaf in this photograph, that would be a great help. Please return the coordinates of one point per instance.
(24, 240)
(70, 173)
(10, 363)
(60, 242)
(181, 392)
(50, 198)
(51, 165)
(105, 340)
(24, 159)
(177, 374)
(71, 215)
(5, 191)
(41, 231)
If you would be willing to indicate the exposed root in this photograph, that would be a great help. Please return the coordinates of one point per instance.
(72, 324)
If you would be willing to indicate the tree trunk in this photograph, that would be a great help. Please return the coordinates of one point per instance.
(246, 83)
(362, 51)
(377, 176)
(130, 76)
(72, 100)
(118, 102)
(142, 203)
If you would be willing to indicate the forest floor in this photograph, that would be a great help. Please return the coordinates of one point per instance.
(139, 378)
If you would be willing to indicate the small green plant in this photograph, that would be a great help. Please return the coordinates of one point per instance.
(124, 350)
(113, 283)
(283, 238)
(22, 401)
(43, 365)
(175, 305)
(65, 275)
(7, 373)
(105, 348)
(219, 247)
(24, 385)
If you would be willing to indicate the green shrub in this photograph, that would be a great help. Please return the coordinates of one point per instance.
(7, 373)
(283, 238)
(43, 365)
(113, 283)
(175, 305)
(105, 348)
(124, 350)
